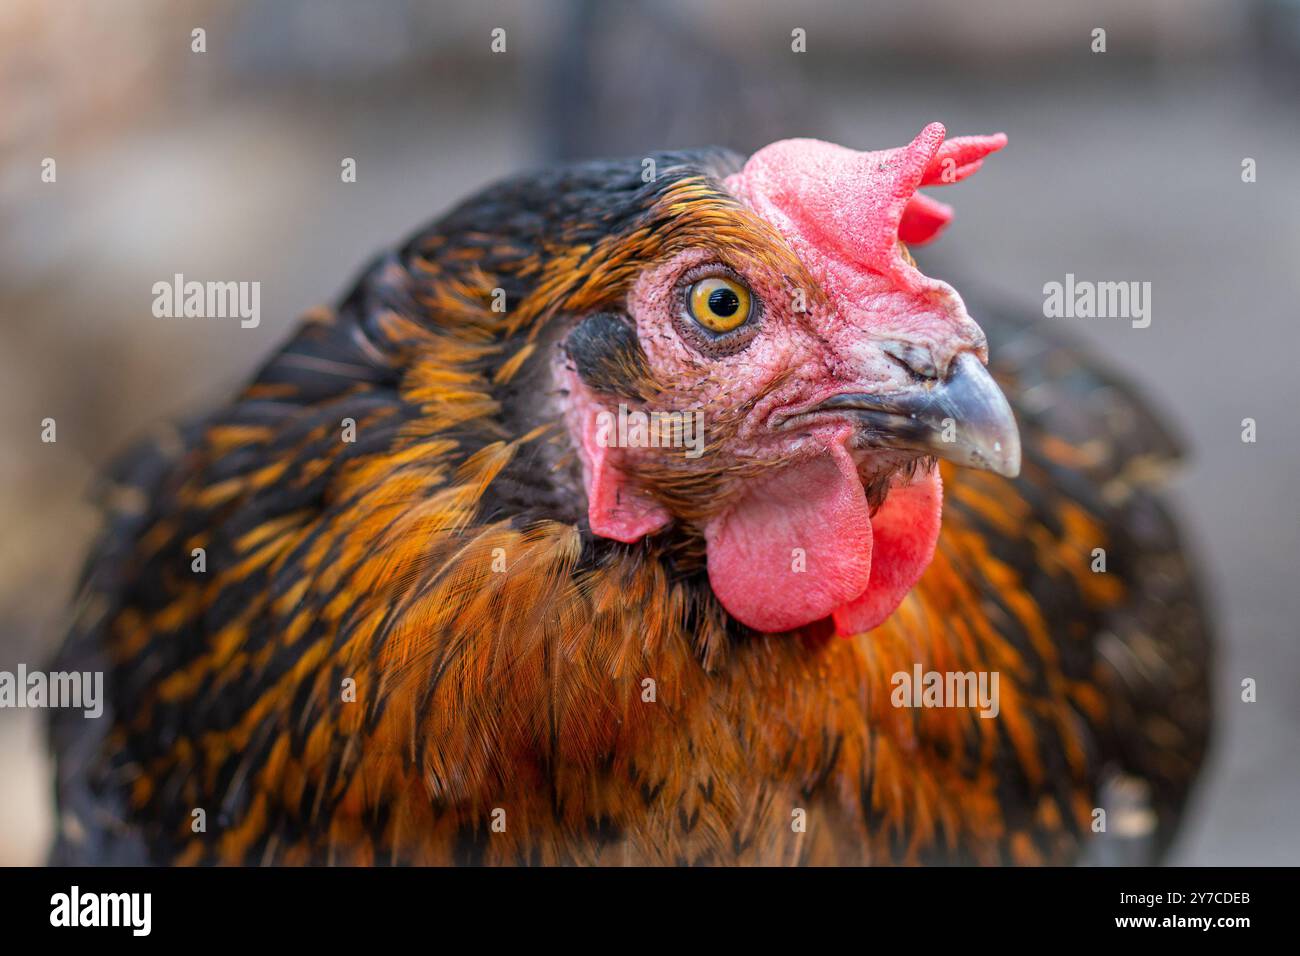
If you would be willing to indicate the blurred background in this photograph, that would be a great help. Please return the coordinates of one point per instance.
(226, 165)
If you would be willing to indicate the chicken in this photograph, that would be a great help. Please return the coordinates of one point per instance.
(609, 521)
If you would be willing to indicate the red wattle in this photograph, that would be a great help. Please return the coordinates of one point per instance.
(797, 546)
(906, 530)
(802, 546)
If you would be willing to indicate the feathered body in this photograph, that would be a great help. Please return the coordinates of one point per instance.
(399, 637)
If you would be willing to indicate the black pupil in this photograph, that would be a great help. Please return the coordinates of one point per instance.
(723, 302)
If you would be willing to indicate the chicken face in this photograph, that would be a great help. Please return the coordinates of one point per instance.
(825, 371)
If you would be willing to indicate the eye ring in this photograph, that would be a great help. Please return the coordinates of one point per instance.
(719, 314)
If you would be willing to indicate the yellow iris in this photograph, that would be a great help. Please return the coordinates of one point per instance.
(719, 304)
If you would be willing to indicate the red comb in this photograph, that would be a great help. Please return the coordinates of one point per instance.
(859, 204)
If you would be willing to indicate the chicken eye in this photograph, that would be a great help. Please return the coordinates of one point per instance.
(719, 304)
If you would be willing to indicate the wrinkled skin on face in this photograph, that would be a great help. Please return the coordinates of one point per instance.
(817, 494)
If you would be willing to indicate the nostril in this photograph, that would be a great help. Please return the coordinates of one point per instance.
(956, 360)
(916, 359)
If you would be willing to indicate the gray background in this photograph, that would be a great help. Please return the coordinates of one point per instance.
(1122, 166)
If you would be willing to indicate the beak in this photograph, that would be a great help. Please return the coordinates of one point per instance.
(965, 418)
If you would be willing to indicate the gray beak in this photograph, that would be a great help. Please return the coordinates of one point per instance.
(964, 418)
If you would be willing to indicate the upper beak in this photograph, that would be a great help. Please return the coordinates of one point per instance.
(964, 418)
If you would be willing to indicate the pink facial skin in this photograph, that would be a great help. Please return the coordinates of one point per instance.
(799, 543)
